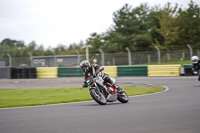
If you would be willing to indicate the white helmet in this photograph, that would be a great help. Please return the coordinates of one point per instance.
(95, 61)
(195, 59)
(85, 65)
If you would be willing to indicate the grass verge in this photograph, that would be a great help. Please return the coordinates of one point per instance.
(29, 97)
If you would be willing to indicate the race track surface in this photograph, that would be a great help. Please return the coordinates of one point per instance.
(174, 111)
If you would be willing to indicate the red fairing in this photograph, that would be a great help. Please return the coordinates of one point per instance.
(112, 88)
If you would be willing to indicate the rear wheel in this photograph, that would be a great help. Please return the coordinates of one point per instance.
(98, 96)
(122, 97)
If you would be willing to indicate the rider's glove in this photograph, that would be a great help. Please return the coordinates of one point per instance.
(85, 85)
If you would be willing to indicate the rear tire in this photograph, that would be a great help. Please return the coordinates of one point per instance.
(123, 97)
(98, 97)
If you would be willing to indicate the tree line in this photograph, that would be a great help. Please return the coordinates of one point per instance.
(170, 27)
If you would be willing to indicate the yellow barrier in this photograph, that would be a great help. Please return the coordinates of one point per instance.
(47, 72)
(110, 70)
(164, 70)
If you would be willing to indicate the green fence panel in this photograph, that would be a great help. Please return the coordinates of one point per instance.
(70, 72)
(132, 71)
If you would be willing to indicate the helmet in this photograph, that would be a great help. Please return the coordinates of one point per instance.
(95, 61)
(195, 59)
(85, 65)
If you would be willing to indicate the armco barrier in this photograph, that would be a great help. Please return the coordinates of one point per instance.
(164, 70)
(132, 71)
(113, 71)
(70, 72)
(47, 72)
(5, 73)
(110, 70)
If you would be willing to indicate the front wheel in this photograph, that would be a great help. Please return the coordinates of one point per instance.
(122, 97)
(98, 96)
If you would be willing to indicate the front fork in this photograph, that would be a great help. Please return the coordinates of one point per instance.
(96, 88)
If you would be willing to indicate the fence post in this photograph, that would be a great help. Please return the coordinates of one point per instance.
(149, 58)
(78, 55)
(87, 51)
(191, 51)
(183, 55)
(102, 57)
(158, 54)
(113, 61)
(129, 56)
(10, 60)
(168, 57)
(55, 59)
(31, 58)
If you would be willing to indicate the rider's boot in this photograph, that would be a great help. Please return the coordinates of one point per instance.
(107, 78)
(118, 88)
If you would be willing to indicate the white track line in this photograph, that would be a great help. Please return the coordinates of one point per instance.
(50, 105)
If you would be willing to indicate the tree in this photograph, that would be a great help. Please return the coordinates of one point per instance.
(96, 41)
(9, 42)
(131, 29)
(189, 22)
(168, 27)
(155, 14)
(126, 26)
(60, 49)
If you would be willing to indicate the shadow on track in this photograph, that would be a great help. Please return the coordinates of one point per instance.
(108, 104)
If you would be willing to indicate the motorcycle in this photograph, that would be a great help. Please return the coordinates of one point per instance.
(197, 73)
(103, 92)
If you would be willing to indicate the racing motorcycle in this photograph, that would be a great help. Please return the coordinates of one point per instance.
(197, 72)
(103, 92)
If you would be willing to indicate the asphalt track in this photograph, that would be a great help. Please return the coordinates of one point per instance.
(174, 111)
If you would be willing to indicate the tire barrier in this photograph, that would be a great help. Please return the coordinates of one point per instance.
(132, 71)
(110, 70)
(70, 72)
(32, 73)
(23, 73)
(14, 73)
(47, 72)
(164, 70)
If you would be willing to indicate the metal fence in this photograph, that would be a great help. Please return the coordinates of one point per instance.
(107, 59)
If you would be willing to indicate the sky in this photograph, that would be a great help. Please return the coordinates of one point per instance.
(53, 22)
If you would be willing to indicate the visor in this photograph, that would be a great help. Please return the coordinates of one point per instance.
(195, 61)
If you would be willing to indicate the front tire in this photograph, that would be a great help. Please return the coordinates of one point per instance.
(98, 96)
(122, 97)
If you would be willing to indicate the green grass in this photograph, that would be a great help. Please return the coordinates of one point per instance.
(29, 97)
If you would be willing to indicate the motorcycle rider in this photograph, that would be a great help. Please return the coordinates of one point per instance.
(196, 65)
(95, 71)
